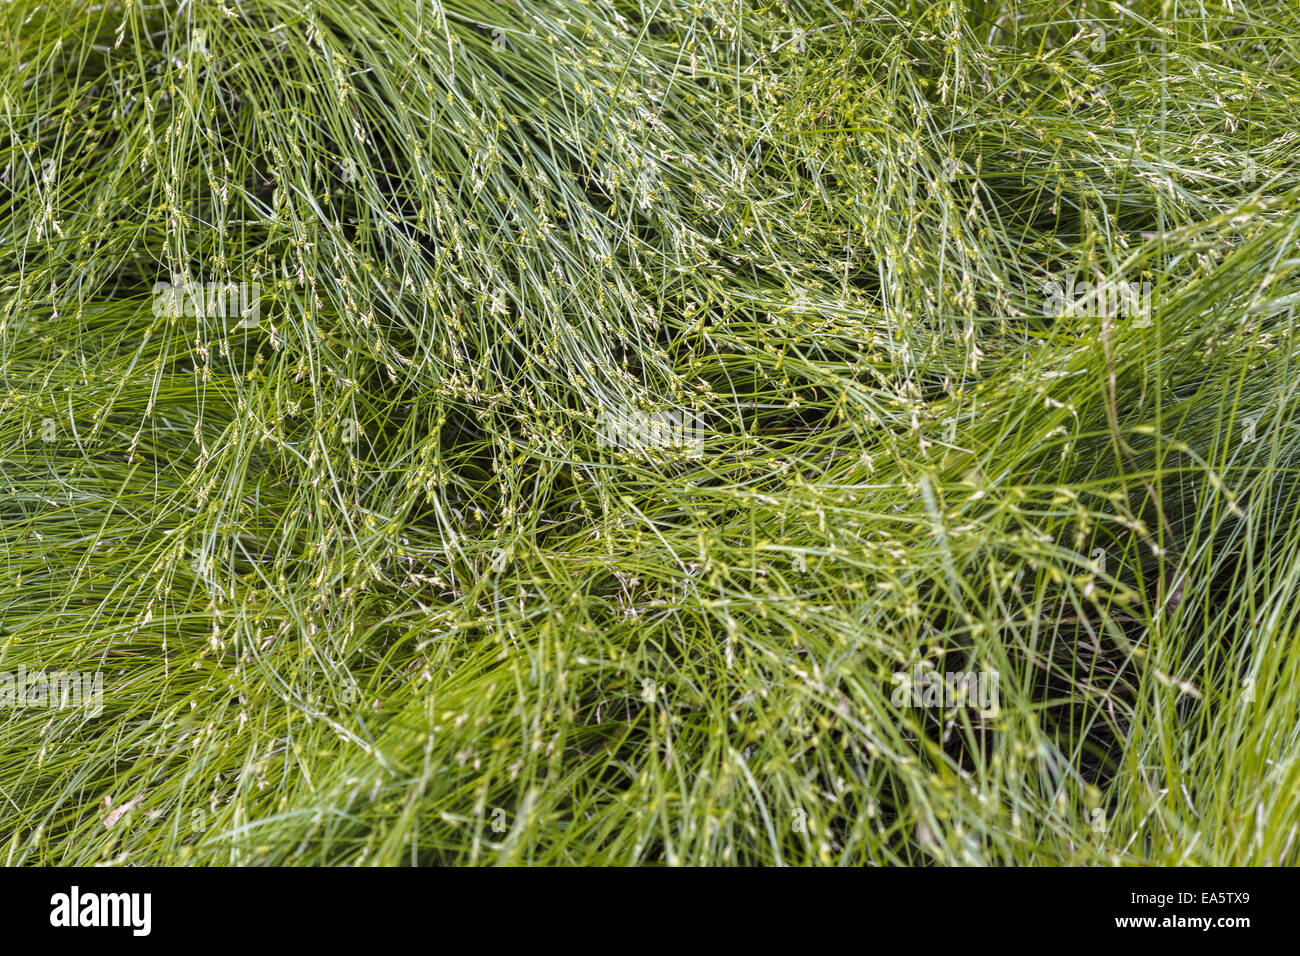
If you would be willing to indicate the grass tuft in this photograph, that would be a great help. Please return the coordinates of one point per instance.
(375, 575)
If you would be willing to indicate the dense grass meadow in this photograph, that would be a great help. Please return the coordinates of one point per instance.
(592, 432)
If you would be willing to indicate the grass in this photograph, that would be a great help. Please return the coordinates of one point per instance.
(365, 583)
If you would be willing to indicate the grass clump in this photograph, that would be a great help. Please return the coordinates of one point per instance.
(374, 577)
